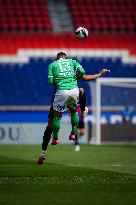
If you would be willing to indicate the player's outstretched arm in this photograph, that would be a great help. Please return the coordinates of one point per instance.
(91, 77)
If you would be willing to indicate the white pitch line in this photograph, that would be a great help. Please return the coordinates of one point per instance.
(92, 165)
(104, 165)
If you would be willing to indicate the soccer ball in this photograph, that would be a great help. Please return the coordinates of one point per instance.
(81, 33)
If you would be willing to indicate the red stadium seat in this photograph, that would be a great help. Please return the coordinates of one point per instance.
(118, 14)
(21, 15)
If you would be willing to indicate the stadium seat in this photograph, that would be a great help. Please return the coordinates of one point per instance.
(86, 13)
(24, 16)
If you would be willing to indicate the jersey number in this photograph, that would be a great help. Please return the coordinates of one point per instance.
(64, 68)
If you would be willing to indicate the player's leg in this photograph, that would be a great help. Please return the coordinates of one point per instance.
(74, 123)
(59, 108)
(72, 104)
(48, 130)
(77, 145)
(82, 99)
(56, 126)
(80, 132)
(46, 137)
(81, 112)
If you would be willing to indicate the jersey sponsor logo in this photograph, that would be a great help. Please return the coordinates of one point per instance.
(60, 107)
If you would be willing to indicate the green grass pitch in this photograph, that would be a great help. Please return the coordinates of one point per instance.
(96, 175)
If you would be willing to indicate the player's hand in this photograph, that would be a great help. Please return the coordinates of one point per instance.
(103, 71)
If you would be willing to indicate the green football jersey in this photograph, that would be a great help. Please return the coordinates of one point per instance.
(62, 73)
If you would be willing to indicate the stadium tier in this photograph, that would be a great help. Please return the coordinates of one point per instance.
(105, 16)
(98, 16)
(65, 41)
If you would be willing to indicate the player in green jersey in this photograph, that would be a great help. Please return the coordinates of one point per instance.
(48, 130)
(61, 73)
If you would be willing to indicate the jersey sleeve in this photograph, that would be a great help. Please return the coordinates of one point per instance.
(79, 69)
(50, 75)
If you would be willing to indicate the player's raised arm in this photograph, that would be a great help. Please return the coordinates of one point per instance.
(91, 77)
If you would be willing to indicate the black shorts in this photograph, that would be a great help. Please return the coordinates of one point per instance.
(81, 124)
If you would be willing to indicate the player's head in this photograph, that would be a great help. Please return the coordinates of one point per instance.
(61, 55)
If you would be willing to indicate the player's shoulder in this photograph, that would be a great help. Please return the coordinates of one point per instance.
(76, 63)
(73, 61)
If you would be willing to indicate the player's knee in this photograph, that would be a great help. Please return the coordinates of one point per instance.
(81, 91)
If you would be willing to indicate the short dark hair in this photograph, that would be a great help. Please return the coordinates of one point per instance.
(61, 54)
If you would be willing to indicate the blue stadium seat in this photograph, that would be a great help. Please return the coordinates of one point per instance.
(26, 84)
